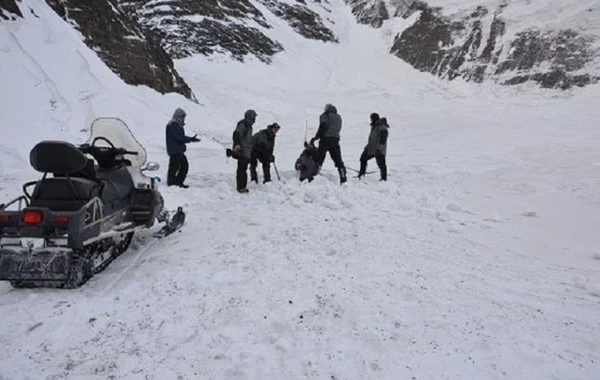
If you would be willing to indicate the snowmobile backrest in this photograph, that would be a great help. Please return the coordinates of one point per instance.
(58, 157)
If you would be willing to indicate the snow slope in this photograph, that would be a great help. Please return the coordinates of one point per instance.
(478, 259)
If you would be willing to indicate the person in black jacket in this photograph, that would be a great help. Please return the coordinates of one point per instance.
(176, 140)
(242, 149)
(263, 144)
(330, 124)
(376, 146)
(305, 164)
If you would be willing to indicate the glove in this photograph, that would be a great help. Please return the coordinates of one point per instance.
(195, 138)
(84, 148)
(271, 158)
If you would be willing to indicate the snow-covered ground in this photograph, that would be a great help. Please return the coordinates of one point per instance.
(478, 259)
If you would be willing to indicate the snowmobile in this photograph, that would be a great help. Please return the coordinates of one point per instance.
(83, 212)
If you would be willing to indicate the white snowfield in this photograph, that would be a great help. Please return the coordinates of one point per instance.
(478, 259)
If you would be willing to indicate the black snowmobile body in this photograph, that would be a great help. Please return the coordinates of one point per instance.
(83, 213)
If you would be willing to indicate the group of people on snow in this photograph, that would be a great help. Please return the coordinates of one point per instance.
(249, 149)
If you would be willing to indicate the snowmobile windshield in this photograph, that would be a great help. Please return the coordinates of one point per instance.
(116, 131)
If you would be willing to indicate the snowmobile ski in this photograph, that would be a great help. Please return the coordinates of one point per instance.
(173, 225)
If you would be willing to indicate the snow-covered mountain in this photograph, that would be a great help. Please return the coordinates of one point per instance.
(555, 44)
(509, 42)
(479, 258)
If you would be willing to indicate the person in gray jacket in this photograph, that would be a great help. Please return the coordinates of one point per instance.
(376, 146)
(242, 149)
(330, 125)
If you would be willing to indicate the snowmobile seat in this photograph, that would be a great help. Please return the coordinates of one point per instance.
(64, 193)
(57, 157)
(73, 184)
(88, 172)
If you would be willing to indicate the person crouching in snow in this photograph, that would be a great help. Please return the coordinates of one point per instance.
(306, 164)
(263, 144)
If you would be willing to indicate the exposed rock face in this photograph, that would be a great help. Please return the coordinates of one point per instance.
(131, 52)
(474, 45)
(371, 12)
(303, 20)
(566, 52)
(189, 27)
(9, 10)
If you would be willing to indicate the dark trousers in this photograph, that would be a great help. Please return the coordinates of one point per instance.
(178, 169)
(266, 167)
(241, 176)
(379, 158)
(331, 145)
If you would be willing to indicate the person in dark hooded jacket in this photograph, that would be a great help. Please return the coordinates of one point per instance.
(263, 144)
(305, 164)
(242, 149)
(176, 140)
(376, 146)
(330, 125)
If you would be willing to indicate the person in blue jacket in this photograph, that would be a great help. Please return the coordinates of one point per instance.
(176, 140)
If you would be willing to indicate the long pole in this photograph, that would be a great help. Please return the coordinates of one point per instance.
(306, 131)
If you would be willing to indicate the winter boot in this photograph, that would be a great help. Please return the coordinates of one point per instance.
(363, 169)
(253, 174)
(243, 191)
(342, 172)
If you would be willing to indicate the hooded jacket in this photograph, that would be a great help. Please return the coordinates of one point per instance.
(263, 142)
(175, 134)
(242, 135)
(377, 143)
(306, 164)
(330, 123)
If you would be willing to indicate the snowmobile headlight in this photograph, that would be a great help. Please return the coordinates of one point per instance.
(32, 217)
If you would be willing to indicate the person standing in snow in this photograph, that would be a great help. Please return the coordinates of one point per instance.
(263, 144)
(242, 149)
(330, 125)
(305, 164)
(376, 146)
(176, 140)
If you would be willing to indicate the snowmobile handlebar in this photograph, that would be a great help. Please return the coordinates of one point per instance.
(95, 150)
(106, 156)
